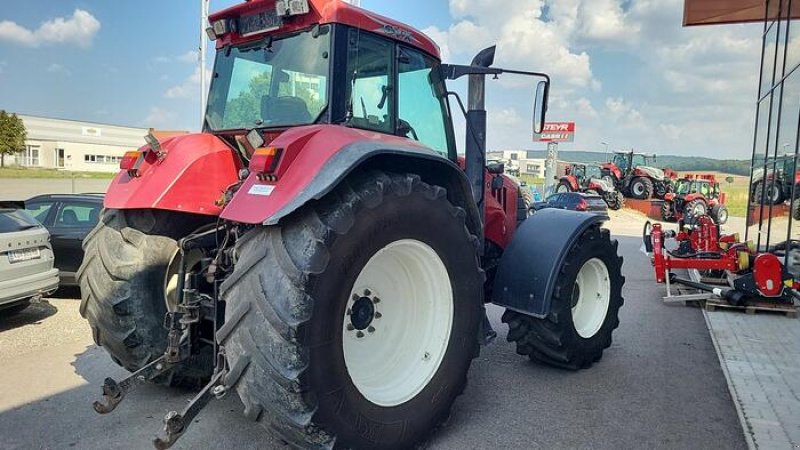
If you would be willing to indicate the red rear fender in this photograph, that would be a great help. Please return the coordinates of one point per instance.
(193, 173)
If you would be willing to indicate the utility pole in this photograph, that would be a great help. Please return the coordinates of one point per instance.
(202, 60)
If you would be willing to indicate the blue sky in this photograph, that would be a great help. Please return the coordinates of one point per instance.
(624, 70)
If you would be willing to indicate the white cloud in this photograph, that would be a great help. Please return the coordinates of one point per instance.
(160, 118)
(59, 69)
(79, 29)
(188, 57)
(190, 88)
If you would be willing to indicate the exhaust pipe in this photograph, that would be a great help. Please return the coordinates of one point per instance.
(475, 148)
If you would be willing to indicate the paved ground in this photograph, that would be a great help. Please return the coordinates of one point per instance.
(660, 385)
(22, 188)
(761, 357)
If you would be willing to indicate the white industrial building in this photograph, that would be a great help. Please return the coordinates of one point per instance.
(74, 145)
(518, 163)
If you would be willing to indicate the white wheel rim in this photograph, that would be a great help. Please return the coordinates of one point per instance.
(593, 288)
(396, 355)
(638, 188)
(562, 188)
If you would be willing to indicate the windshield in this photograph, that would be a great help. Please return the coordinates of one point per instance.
(270, 83)
(639, 160)
(683, 187)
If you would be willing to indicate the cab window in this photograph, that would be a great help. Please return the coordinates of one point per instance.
(421, 112)
(369, 82)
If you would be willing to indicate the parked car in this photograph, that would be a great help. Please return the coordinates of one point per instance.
(26, 261)
(69, 218)
(574, 201)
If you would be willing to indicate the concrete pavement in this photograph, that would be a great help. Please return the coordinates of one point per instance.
(659, 386)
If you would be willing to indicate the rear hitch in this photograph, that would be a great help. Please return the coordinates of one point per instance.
(114, 392)
(175, 424)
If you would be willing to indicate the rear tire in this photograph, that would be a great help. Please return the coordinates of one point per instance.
(298, 288)
(122, 288)
(641, 188)
(571, 336)
(614, 200)
(563, 186)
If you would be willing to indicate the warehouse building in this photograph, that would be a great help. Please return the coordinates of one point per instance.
(75, 145)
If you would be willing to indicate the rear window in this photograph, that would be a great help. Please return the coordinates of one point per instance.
(596, 202)
(12, 220)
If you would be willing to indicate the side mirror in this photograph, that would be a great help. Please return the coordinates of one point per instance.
(540, 106)
(496, 167)
(729, 180)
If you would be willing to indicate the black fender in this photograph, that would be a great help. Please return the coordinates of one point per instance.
(360, 156)
(530, 264)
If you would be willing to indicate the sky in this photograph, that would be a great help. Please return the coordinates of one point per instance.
(625, 71)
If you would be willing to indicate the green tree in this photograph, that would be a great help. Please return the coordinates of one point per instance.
(12, 135)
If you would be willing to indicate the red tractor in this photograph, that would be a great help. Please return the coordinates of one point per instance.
(320, 249)
(780, 180)
(632, 175)
(695, 196)
(579, 179)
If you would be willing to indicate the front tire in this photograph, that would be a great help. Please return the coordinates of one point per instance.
(614, 200)
(696, 208)
(122, 287)
(720, 214)
(584, 310)
(668, 211)
(328, 313)
(641, 188)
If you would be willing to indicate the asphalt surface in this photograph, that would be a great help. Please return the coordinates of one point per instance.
(659, 386)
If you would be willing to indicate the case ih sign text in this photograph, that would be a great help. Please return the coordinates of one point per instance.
(556, 132)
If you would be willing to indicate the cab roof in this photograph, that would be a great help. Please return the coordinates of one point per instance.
(327, 12)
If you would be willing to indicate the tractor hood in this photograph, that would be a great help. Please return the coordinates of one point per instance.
(604, 183)
(652, 172)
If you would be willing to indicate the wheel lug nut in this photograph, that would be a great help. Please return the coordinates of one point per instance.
(349, 312)
(350, 327)
(371, 329)
(427, 356)
(355, 297)
(376, 300)
(360, 334)
(367, 292)
(378, 315)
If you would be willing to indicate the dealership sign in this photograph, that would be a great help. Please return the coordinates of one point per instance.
(556, 132)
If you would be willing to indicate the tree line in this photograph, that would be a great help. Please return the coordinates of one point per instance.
(675, 162)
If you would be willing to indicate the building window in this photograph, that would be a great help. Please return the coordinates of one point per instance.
(102, 159)
(513, 156)
(31, 156)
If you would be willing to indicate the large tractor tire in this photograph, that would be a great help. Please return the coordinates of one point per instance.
(641, 188)
(695, 209)
(122, 281)
(668, 211)
(614, 200)
(774, 194)
(796, 209)
(354, 322)
(564, 186)
(720, 214)
(584, 309)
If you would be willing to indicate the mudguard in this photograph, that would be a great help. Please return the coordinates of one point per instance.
(530, 264)
(190, 177)
(316, 158)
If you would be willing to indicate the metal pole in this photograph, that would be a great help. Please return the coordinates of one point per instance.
(550, 167)
(202, 59)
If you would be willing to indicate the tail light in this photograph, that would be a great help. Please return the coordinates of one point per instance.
(128, 160)
(583, 205)
(265, 160)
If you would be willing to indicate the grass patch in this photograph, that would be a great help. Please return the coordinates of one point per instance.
(26, 172)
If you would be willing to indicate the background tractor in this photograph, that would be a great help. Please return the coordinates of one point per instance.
(695, 196)
(634, 177)
(778, 183)
(583, 178)
(320, 247)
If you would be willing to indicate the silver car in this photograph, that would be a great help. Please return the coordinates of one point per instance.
(26, 261)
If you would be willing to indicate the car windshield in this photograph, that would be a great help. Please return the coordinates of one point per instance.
(271, 83)
(12, 220)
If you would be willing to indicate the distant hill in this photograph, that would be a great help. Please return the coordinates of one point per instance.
(679, 163)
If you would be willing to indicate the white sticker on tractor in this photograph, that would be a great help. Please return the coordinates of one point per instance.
(261, 189)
